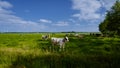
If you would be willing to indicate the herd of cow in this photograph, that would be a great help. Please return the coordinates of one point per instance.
(56, 41)
(61, 41)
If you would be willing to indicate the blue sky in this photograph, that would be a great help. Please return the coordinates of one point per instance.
(52, 15)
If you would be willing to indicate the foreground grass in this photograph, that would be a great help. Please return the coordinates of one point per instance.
(30, 51)
(11, 58)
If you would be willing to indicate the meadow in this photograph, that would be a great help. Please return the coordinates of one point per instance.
(28, 50)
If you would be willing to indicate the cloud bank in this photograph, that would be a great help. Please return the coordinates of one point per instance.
(61, 23)
(90, 10)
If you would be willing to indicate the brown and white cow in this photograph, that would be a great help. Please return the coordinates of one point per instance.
(60, 42)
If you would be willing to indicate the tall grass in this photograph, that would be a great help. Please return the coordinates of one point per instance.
(30, 51)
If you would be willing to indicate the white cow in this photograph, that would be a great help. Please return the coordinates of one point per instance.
(59, 41)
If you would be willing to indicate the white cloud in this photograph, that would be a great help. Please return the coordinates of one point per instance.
(89, 10)
(5, 4)
(14, 22)
(45, 21)
(61, 23)
(107, 3)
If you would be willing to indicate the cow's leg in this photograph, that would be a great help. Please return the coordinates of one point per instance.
(63, 47)
(53, 47)
(60, 48)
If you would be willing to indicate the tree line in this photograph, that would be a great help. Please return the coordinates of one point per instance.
(111, 24)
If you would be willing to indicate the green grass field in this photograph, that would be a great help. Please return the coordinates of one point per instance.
(30, 51)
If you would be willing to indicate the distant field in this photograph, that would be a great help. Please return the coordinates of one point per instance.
(28, 50)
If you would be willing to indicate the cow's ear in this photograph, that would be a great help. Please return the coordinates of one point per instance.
(65, 38)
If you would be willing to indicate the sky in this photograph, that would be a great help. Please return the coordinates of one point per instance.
(52, 15)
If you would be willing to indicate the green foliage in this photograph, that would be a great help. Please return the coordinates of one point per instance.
(111, 25)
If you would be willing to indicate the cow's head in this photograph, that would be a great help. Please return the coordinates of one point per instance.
(66, 38)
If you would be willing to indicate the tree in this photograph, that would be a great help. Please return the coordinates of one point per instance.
(103, 27)
(111, 24)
